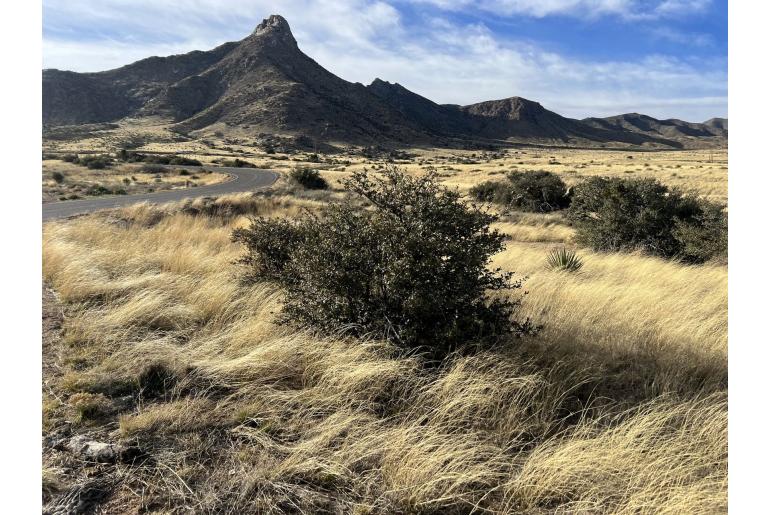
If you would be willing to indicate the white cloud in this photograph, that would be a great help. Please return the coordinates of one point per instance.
(627, 9)
(362, 39)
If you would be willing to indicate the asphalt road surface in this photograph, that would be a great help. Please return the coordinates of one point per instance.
(242, 179)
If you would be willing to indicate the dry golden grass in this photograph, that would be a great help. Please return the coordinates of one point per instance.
(703, 171)
(129, 178)
(619, 406)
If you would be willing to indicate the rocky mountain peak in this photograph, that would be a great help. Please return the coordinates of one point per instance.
(275, 24)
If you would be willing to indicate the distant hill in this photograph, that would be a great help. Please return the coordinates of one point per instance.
(267, 83)
(713, 131)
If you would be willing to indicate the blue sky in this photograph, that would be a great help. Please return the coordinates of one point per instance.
(665, 58)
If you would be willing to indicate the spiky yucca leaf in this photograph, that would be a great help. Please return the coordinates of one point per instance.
(564, 259)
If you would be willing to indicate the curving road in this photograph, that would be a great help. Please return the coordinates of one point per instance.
(242, 179)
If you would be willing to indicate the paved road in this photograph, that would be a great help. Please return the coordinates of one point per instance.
(242, 179)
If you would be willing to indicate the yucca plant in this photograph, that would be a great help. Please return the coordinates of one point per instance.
(564, 259)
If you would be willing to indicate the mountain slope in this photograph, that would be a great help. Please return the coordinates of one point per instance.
(510, 118)
(73, 98)
(266, 83)
(712, 131)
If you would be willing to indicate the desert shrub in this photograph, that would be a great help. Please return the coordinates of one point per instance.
(184, 161)
(537, 191)
(412, 268)
(625, 214)
(238, 163)
(309, 178)
(564, 260)
(70, 158)
(153, 168)
(704, 237)
(97, 190)
(492, 191)
(184, 172)
(58, 177)
(95, 162)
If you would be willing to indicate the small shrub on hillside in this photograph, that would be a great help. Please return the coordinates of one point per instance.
(153, 168)
(58, 177)
(625, 214)
(184, 161)
(94, 162)
(412, 269)
(238, 163)
(158, 159)
(309, 178)
(70, 158)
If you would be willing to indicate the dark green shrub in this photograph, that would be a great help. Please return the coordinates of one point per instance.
(537, 191)
(97, 190)
(704, 237)
(95, 162)
(153, 168)
(58, 177)
(184, 172)
(625, 214)
(412, 269)
(238, 163)
(70, 158)
(184, 161)
(309, 178)
(492, 191)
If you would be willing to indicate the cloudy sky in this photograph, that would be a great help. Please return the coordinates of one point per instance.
(665, 58)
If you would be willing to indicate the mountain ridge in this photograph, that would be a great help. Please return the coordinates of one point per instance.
(267, 83)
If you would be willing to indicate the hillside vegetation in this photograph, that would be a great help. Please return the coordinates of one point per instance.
(617, 405)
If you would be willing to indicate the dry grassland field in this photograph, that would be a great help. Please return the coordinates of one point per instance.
(153, 343)
(69, 181)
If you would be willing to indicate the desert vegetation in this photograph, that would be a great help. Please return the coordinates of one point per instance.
(71, 180)
(174, 343)
(629, 214)
(538, 191)
(308, 178)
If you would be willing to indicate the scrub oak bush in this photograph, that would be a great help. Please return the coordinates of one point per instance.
(703, 238)
(309, 178)
(537, 191)
(411, 266)
(613, 214)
